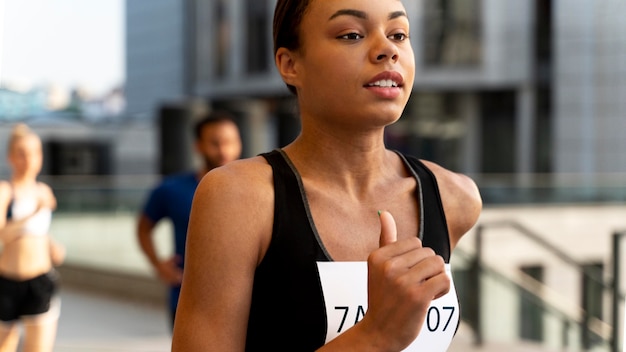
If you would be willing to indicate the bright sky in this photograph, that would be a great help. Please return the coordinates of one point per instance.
(65, 42)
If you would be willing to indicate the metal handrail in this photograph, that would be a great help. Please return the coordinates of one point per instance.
(617, 296)
(585, 321)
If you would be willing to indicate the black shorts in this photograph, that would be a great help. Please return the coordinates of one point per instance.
(30, 297)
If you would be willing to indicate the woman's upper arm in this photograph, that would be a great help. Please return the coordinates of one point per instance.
(49, 200)
(229, 228)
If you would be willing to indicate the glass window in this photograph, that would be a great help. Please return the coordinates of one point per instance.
(498, 128)
(203, 42)
(452, 33)
(222, 38)
(432, 127)
(257, 36)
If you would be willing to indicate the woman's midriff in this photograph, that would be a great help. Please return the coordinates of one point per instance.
(25, 258)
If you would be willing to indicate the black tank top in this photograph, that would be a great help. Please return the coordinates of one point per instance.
(287, 311)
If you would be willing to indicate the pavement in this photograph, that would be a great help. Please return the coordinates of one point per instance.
(94, 321)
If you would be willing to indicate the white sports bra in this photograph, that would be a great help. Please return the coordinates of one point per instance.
(39, 223)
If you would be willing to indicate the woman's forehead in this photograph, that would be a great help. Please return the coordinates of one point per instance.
(329, 7)
(27, 141)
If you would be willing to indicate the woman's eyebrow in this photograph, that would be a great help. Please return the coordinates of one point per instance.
(349, 12)
(397, 14)
(363, 15)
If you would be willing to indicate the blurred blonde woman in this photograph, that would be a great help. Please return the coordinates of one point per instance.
(29, 254)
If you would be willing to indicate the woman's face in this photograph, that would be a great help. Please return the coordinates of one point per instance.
(25, 156)
(355, 61)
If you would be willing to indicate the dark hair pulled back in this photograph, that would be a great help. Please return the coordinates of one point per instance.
(288, 16)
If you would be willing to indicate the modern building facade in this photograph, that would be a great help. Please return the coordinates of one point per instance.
(520, 94)
(157, 56)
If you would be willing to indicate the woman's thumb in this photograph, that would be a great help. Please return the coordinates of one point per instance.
(388, 230)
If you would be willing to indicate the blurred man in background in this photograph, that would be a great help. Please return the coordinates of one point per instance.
(217, 142)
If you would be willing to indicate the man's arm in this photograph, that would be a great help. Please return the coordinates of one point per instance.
(167, 270)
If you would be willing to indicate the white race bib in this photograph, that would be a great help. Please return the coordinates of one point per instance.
(344, 285)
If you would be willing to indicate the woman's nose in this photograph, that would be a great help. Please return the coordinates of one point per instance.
(385, 50)
(381, 57)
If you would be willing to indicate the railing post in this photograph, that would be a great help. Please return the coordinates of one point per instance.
(617, 236)
(586, 331)
(478, 331)
(565, 335)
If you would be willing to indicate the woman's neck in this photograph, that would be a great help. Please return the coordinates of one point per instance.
(345, 164)
(22, 182)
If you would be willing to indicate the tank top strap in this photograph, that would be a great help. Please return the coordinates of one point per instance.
(287, 279)
(436, 234)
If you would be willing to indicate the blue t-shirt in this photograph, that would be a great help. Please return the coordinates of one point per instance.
(172, 199)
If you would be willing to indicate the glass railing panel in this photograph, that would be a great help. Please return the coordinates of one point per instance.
(551, 188)
(96, 220)
(501, 319)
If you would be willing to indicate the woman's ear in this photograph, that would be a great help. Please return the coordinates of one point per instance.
(286, 64)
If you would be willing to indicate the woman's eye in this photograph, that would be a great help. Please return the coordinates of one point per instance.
(351, 36)
(399, 37)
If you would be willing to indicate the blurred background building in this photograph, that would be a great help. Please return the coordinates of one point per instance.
(527, 97)
(523, 94)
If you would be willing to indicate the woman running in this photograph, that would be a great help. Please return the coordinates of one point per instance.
(28, 256)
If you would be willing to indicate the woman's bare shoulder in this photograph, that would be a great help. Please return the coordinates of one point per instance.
(460, 197)
(243, 188)
(47, 195)
(252, 176)
(455, 180)
(45, 189)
